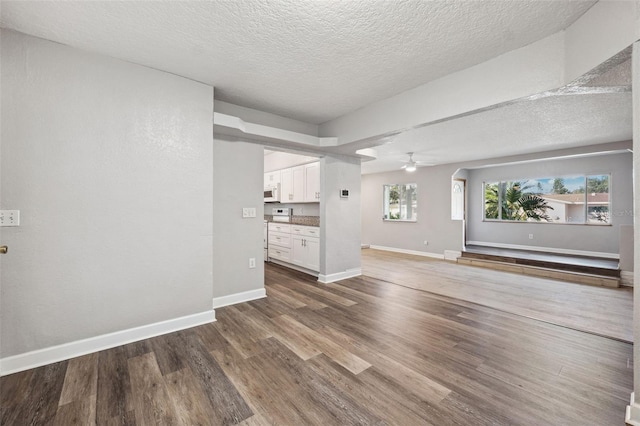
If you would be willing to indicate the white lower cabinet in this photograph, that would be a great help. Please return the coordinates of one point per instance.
(295, 244)
(305, 252)
(280, 253)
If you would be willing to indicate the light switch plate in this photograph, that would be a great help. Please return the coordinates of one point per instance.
(9, 217)
(248, 212)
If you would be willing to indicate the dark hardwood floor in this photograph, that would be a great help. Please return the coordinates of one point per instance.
(362, 351)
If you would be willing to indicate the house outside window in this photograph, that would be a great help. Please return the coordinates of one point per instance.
(570, 200)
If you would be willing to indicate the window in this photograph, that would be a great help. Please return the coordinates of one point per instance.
(400, 202)
(574, 199)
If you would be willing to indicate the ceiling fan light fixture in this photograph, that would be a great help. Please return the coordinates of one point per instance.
(411, 165)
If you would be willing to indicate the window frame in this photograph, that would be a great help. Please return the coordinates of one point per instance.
(385, 204)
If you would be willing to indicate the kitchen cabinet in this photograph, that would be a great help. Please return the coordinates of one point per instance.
(305, 246)
(312, 182)
(286, 185)
(300, 184)
(305, 252)
(271, 178)
(279, 242)
(295, 244)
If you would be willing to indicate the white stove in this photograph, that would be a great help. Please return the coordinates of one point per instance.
(281, 214)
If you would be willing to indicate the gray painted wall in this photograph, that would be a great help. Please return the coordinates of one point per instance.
(110, 164)
(575, 237)
(434, 222)
(434, 205)
(236, 239)
(340, 217)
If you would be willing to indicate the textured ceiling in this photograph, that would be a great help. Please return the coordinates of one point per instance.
(308, 60)
(549, 123)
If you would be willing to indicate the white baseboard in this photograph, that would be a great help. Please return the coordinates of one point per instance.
(245, 296)
(414, 252)
(452, 255)
(632, 416)
(41, 357)
(547, 249)
(626, 278)
(364, 246)
(331, 278)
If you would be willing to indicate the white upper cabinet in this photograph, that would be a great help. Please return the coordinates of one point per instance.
(300, 184)
(271, 178)
(312, 182)
(286, 185)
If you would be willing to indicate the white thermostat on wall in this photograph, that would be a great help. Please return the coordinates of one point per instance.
(344, 193)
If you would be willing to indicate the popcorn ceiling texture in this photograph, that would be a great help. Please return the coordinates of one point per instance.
(308, 60)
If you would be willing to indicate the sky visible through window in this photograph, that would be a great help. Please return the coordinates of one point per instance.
(545, 186)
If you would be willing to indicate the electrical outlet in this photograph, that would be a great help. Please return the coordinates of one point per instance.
(9, 217)
(426, 243)
(252, 262)
(531, 236)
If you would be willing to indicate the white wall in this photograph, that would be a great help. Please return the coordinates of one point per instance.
(110, 164)
(266, 119)
(604, 239)
(604, 30)
(238, 182)
(340, 230)
(633, 409)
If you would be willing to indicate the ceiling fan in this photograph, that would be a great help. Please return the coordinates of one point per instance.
(411, 165)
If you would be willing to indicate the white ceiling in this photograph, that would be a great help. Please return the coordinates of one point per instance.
(549, 123)
(308, 60)
(317, 60)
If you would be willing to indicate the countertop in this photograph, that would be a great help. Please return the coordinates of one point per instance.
(298, 220)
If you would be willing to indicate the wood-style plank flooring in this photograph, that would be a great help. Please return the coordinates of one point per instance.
(362, 351)
(599, 310)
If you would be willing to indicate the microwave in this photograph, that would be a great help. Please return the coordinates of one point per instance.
(272, 194)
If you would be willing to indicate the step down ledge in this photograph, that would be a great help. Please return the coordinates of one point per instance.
(536, 271)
